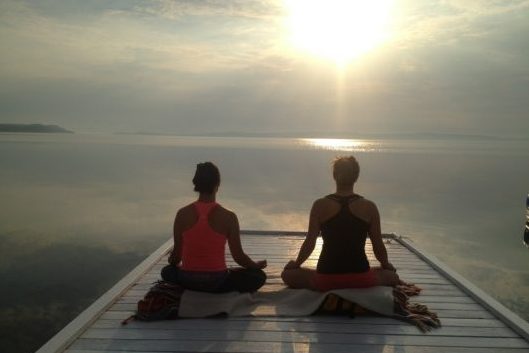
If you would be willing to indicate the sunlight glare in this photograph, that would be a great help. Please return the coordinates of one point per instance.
(346, 145)
(339, 30)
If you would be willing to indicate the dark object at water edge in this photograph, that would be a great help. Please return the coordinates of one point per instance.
(526, 232)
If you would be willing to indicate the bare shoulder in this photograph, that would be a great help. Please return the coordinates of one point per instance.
(186, 211)
(369, 207)
(185, 217)
(224, 221)
(321, 203)
(225, 213)
(368, 204)
(323, 208)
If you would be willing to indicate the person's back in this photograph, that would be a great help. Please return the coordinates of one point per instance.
(203, 248)
(201, 231)
(344, 236)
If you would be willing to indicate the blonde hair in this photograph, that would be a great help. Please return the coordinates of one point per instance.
(345, 170)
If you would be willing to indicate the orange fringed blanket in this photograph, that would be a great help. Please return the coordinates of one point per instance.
(415, 313)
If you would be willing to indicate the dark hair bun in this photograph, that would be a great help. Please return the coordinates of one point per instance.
(207, 177)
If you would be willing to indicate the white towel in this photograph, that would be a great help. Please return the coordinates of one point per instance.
(286, 302)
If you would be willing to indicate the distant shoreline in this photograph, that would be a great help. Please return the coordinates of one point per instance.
(335, 135)
(40, 128)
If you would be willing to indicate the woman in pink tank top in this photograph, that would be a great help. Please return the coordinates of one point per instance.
(201, 231)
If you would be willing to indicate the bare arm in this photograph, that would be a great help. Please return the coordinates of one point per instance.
(376, 240)
(310, 241)
(176, 253)
(234, 243)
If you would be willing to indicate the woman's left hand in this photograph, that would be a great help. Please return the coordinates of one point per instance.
(261, 264)
(291, 265)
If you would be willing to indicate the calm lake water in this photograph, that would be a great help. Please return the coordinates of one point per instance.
(78, 211)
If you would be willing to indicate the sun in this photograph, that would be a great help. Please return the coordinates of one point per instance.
(339, 30)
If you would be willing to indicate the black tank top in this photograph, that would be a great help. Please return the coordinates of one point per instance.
(344, 237)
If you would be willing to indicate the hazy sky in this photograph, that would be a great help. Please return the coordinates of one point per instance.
(200, 66)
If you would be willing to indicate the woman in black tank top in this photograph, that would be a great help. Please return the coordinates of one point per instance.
(345, 220)
(344, 237)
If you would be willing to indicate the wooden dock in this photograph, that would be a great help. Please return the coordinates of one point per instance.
(472, 321)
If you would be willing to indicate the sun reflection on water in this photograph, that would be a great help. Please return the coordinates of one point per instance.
(346, 145)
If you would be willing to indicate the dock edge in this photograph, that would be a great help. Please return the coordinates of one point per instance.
(515, 322)
(77, 326)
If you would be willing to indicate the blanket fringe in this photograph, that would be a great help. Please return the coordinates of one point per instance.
(129, 319)
(409, 289)
(415, 313)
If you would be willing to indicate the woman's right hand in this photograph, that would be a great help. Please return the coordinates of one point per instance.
(171, 258)
(389, 266)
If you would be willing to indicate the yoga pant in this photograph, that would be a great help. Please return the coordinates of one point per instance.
(231, 280)
(324, 282)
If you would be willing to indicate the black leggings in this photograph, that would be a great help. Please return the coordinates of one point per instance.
(233, 280)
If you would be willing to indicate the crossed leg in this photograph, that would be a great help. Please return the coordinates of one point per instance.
(302, 277)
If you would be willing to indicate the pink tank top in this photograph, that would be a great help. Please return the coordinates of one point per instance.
(203, 249)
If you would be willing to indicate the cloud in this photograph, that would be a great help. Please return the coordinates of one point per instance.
(486, 7)
(37, 45)
(448, 21)
(180, 9)
(205, 66)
